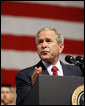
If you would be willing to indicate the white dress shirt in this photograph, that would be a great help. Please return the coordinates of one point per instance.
(49, 67)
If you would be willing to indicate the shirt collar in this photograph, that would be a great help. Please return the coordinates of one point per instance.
(49, 67)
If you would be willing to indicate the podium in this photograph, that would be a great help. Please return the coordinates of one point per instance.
(55, 90)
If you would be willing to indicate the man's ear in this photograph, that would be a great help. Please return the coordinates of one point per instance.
(61, 47)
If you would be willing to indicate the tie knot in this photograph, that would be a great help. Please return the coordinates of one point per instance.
(54, 69)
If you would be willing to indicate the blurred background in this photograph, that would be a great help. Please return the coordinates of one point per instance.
(20, 21)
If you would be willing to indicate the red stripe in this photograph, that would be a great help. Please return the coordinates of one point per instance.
(27, 43)
(8, 76)
(74, 47)
(20, 43)
(42, 11)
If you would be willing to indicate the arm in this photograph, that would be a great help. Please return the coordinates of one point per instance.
(24, 82)
(23, 86)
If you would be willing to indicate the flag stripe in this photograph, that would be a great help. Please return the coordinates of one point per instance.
(30, 26)
(11, 59)
(20, 60)
(61, 3)
(20, 43)
(8, 76)
(27, 43)
(42, 11)
(74, 47)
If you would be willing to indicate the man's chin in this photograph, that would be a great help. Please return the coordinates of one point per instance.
(45, 58)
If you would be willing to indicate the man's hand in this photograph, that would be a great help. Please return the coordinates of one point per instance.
(37, 71)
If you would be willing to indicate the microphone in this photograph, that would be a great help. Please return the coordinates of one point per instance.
(80, 59)
(71, 60)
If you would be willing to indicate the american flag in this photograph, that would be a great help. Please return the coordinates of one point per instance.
(20, 21)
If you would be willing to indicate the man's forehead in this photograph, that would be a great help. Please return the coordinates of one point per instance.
(47, 34)
(5, 88)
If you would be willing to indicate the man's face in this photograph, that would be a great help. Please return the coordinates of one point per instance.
(5, 94)
(48, 48)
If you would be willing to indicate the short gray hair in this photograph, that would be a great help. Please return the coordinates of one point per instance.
(59, 37)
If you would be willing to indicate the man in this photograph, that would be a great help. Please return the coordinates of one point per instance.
(5, 94)
(50, 44)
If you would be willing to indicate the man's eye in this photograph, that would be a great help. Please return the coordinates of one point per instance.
(40, 41)
(48, 40)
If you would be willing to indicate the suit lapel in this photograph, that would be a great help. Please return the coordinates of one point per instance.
(66, 70)
(44, 70)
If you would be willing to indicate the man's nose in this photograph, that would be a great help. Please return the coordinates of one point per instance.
(5, 94)
(44, 44)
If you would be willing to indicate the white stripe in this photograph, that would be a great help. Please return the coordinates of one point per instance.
(18, 60)
(21, 60)
(61, 3)
(30, 26)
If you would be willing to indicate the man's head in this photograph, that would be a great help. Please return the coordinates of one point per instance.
(5, 93)
(50, 44)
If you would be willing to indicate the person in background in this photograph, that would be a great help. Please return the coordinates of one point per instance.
(50, 44)
(7, 94)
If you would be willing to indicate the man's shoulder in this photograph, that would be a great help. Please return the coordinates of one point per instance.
(68, 65)
(28, 70)
(72, 70)
(25, 71)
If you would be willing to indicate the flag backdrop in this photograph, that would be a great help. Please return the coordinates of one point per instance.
(20, 21)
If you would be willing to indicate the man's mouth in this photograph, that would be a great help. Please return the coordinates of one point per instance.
(44, 52)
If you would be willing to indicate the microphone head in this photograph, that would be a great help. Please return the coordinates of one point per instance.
(70, 59)
(80, 59)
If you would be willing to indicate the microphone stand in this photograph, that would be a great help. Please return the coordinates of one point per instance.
(82, 68)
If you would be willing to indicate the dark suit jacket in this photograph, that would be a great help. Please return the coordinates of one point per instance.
(23, 79)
